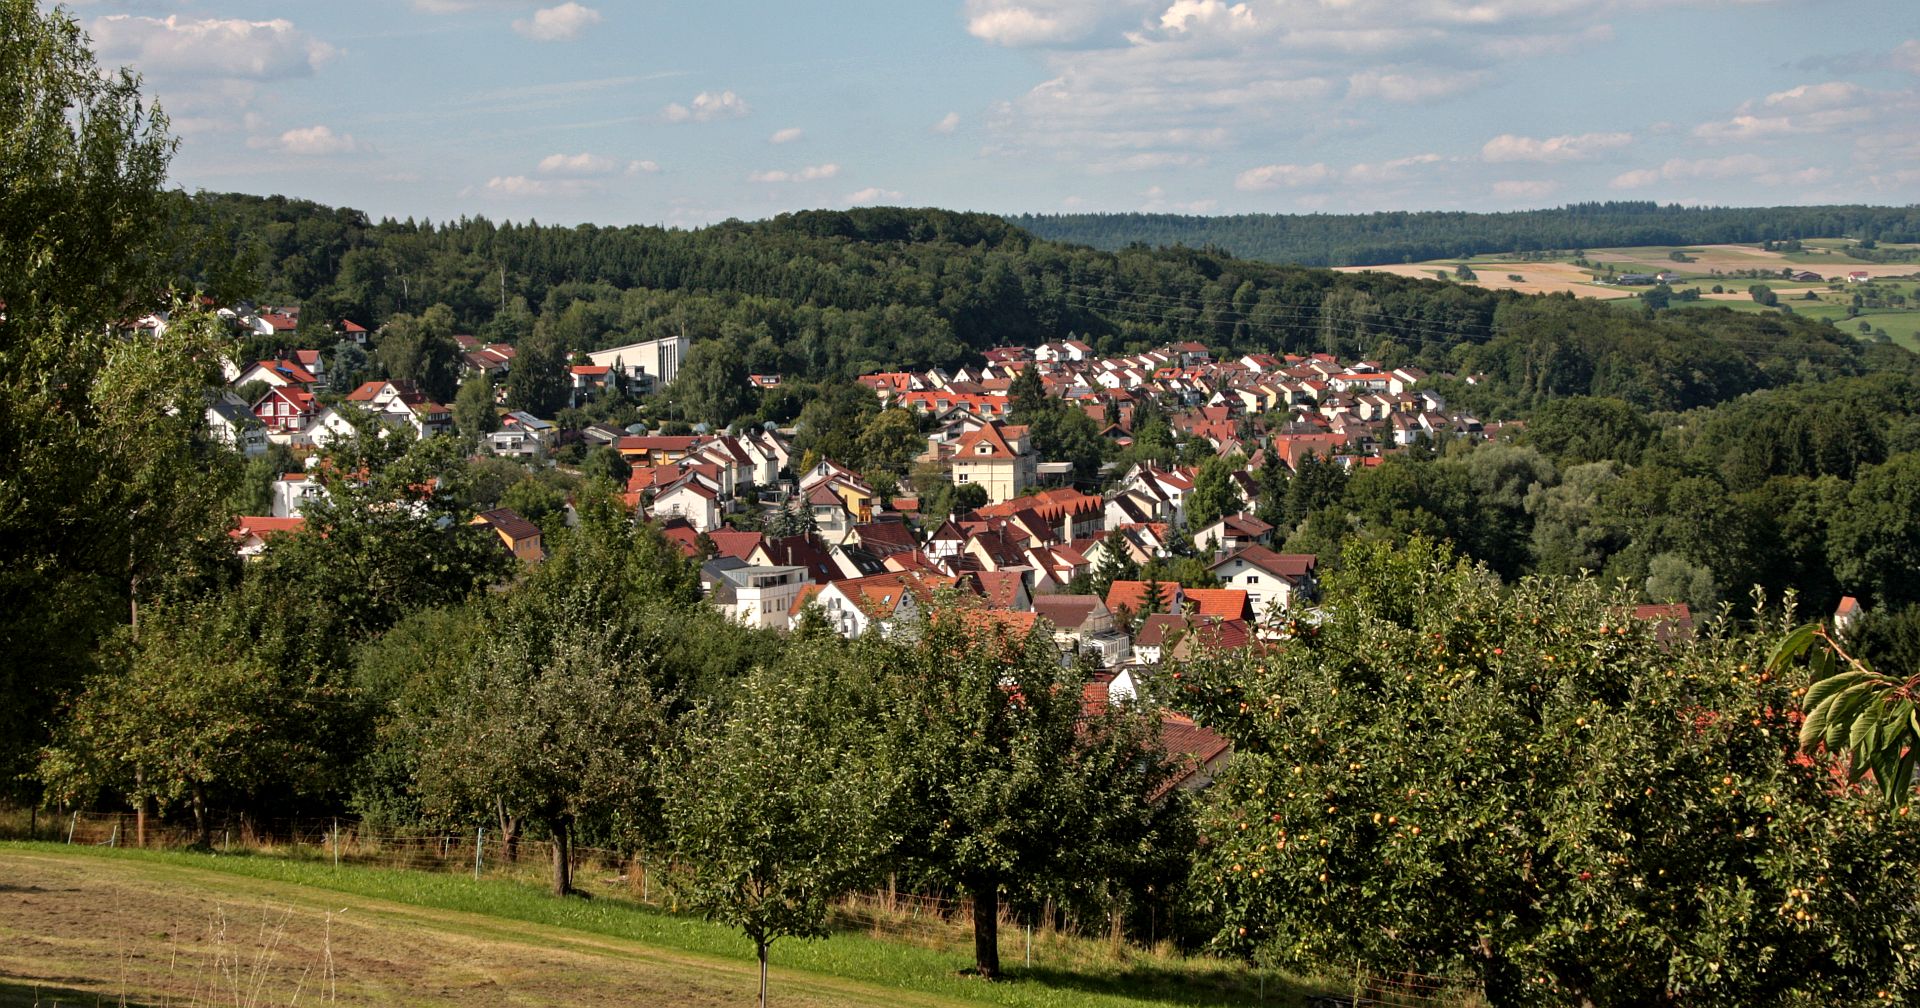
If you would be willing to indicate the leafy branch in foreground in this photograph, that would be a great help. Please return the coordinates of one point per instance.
(1852, 707)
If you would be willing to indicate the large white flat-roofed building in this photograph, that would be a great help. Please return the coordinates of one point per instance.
(653, 363)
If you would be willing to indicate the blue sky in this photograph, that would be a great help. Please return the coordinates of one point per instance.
(661, 112)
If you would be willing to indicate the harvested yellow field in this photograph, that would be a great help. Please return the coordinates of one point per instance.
(1535, 277)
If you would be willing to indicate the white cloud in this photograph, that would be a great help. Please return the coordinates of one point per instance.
(1389, 171)
(642, 167)
(1639, 178)
(1810, 97)
(1046, 22)
(208, 47)
(811, 173)
(576, 164)
(1397, 86)
(208, 72)
(461, 6)
(1185, 15)
(708, 105)
(1525, 189)
(1146, 161)
(875, 194)
(948, 123)
(1275, 70)
(1682, 169)
(1274, 176)
(316, 141)
(1798, 177)
(1906, 56)
(788, 135)
(1015, 26)
(557, 24)
(519, 185)
(1509, 147)
(1811, 109)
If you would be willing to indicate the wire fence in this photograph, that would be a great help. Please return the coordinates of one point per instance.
(1401, 989)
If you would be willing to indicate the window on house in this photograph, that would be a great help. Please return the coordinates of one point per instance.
(1253, 579)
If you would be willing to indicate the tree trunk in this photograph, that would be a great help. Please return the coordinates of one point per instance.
(563, 856)
(203, 835)
(140, 807)
(760, 949)
(509, 829)
(986, 928)
(1500, 980)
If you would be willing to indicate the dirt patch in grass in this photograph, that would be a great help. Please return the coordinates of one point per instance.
(100, 931)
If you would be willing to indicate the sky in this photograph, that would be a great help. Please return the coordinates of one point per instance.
(685, 114)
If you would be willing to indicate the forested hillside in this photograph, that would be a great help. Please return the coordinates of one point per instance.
(829, 295)
(1400, 236)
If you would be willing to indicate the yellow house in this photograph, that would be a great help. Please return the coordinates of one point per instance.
(996, 457)
(520, 536)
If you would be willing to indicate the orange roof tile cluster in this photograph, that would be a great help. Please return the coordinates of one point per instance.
(1224, 603)
(1132, 596)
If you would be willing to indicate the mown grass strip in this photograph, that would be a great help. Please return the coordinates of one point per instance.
(1139, 979)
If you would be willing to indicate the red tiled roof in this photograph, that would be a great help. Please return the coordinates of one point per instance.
(879, 595)
(1132, 595)
(1001, 589)
(1188, 748)
(509, 523)
(734, 544)
(989, 436)
(885, 537)
(677, 531)
(1291, 566)
(1221, 635)
(1160, 629)
(808, 592)
(1048, 504)
(800, 551)
(290, 371)
(1225, 603)
(264, 526)
(1068, 612)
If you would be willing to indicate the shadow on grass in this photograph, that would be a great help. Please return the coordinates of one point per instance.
(16, 993)
(1187, 986)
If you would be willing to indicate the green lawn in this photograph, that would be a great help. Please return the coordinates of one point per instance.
(150, 927)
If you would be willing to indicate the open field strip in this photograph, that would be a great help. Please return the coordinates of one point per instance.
(1536, 277)
(82, 926)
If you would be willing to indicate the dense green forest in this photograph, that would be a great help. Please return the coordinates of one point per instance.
(1405, 236)
(830, 295)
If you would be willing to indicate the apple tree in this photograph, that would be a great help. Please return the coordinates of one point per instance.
(1525, 787)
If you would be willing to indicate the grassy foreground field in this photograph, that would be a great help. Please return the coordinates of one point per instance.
(84, 926)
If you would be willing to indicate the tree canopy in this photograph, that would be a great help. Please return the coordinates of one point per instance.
(1530, 787)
